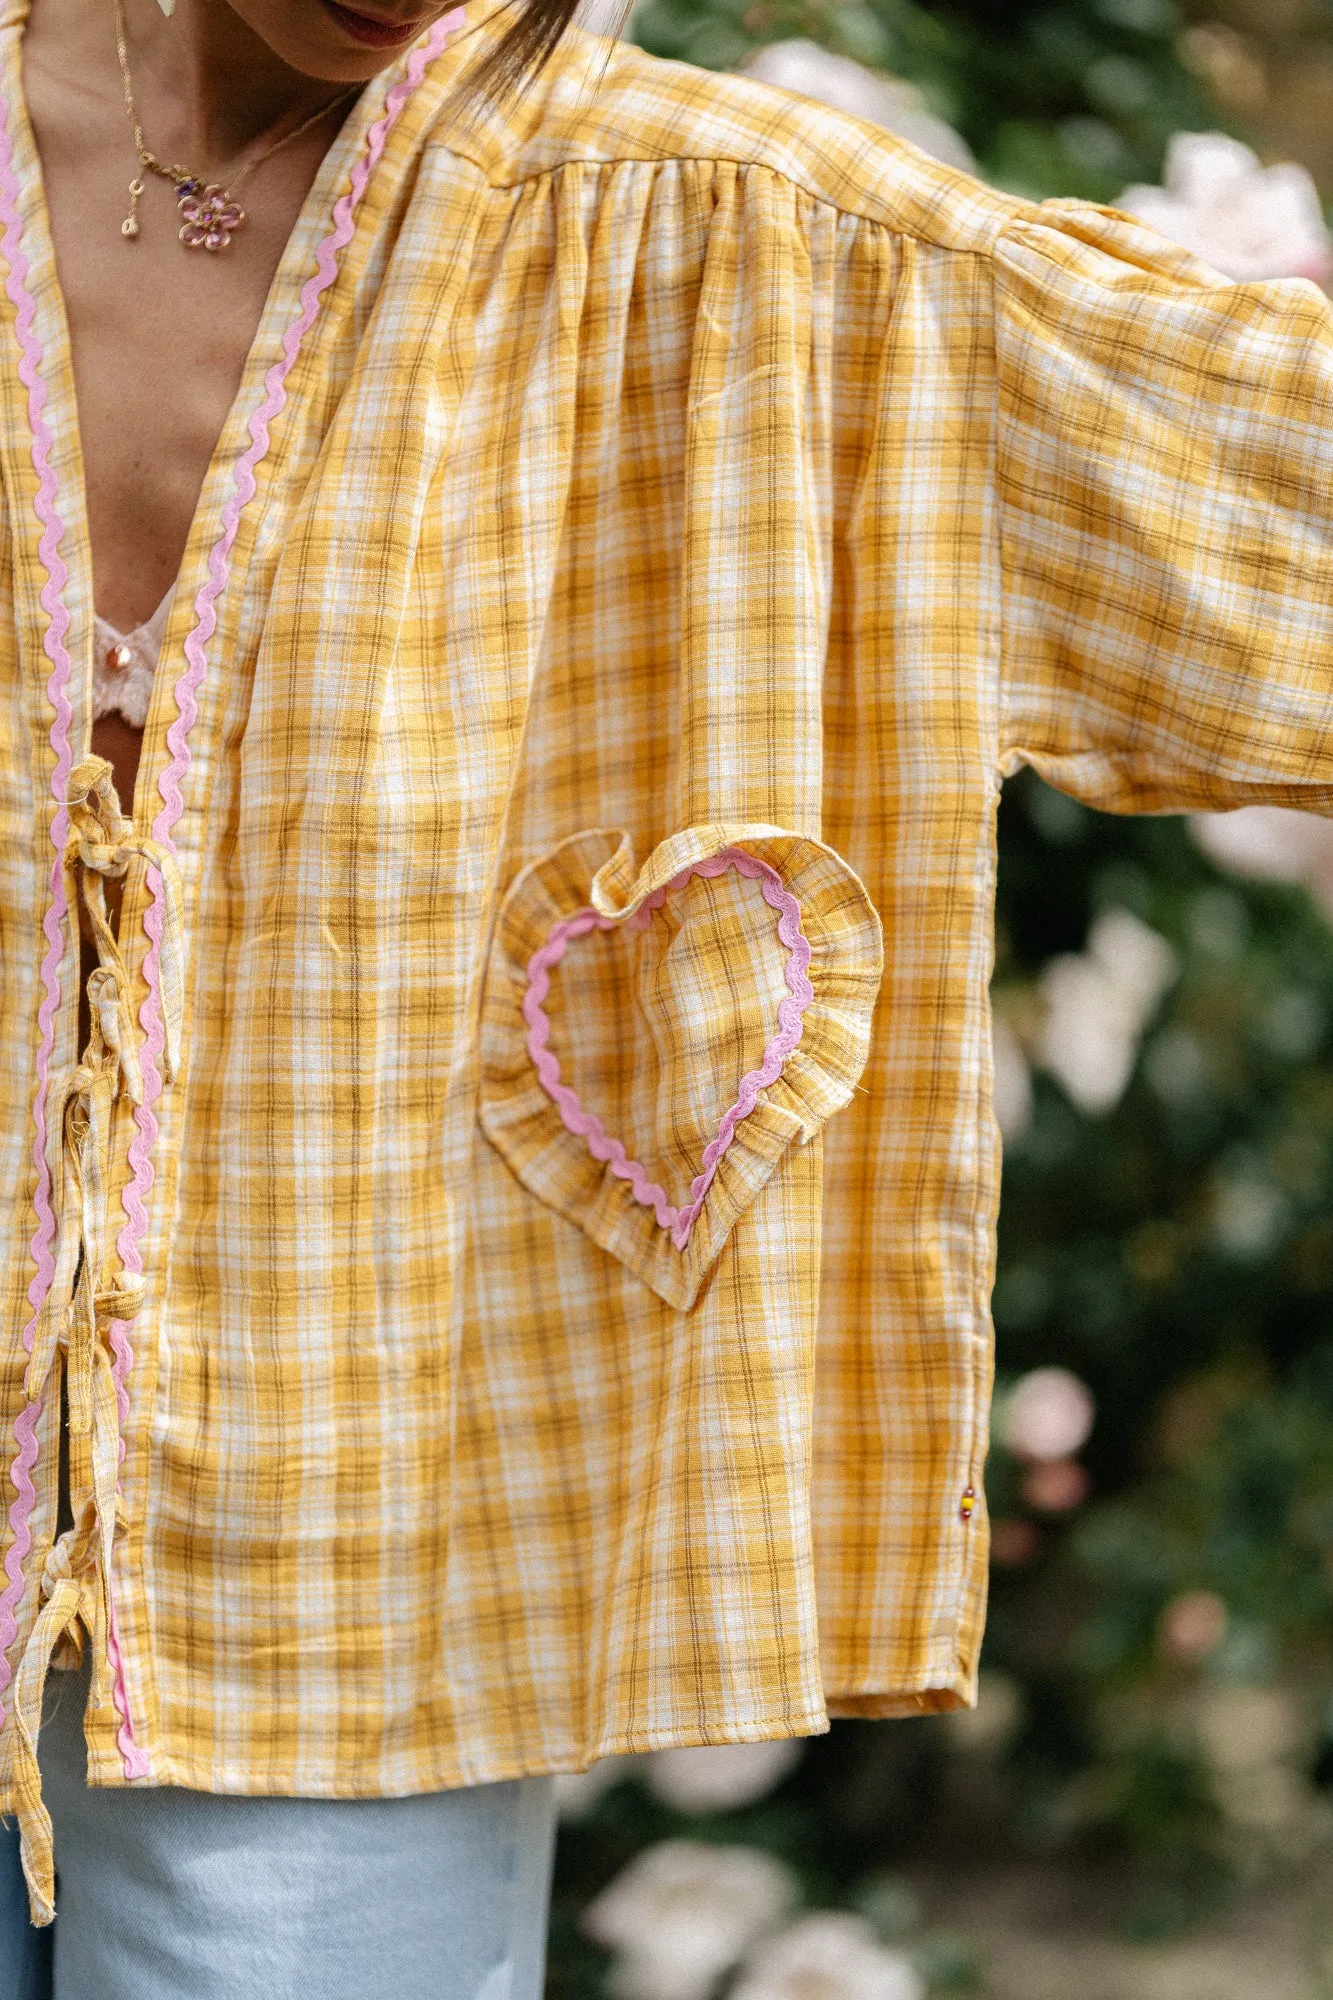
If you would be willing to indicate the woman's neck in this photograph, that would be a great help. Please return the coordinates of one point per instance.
(207, 87)
(159, 330)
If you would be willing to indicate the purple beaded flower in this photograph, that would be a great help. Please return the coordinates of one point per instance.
(208, 216)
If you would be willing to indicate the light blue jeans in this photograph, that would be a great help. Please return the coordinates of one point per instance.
(170, 1894)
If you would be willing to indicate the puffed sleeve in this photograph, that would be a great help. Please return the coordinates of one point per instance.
(1165, 480)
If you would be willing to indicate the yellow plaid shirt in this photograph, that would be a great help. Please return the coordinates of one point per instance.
(653, 519)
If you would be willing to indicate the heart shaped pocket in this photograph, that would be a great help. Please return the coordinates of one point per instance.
(680, 1027)
(586, 1125)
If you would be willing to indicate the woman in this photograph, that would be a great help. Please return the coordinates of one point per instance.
(554, 577)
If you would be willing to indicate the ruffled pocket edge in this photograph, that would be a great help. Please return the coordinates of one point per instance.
(831, 938)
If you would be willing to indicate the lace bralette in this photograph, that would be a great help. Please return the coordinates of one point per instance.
(124, 664)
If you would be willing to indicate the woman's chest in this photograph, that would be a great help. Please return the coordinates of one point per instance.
(159, 333)
(158, 337)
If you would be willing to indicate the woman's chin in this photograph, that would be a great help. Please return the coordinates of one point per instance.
(334, 44)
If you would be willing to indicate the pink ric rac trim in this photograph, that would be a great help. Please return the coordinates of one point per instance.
(679, 1222)
(57, 689)
(135, 1760)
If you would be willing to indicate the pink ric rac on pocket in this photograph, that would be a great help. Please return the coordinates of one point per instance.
(677, 1222)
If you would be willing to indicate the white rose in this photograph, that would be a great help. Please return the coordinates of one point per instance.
(804, 67)
(1242, 1728)
(682, 1913)
(578, 1792)
(721, 1779)
(830, 1956)
(1012, 1086)
(1098, 1004)
(1246, 220)
(1089, 1040)
(1047, 1415)
(1271, 843)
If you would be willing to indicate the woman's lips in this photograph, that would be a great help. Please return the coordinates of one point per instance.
(369, 28)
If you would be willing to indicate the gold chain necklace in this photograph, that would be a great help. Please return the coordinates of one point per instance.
(209, 211)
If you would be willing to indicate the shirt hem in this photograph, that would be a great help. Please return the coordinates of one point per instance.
(191, 1774)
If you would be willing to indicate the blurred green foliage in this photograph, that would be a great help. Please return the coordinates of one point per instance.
(1175, 1252)
(1054, 96)
(1201, 1321)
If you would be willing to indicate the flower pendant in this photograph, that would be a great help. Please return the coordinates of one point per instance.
(208, 215)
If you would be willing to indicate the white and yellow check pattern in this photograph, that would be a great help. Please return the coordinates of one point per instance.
(678, 463)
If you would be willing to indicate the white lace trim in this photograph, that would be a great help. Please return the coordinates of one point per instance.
(124, 665)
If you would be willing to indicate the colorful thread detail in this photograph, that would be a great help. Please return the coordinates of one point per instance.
(678, 1222)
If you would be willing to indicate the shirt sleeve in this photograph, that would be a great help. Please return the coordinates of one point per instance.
(1165, 478)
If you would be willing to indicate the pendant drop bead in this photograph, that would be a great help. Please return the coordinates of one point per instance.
(130, 226)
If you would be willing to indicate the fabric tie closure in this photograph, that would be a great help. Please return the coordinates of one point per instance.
(84, 1299)
(103, 844)
(78, 1156)
(69, 1598)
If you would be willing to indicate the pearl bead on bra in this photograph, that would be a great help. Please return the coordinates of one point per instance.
(124, 664)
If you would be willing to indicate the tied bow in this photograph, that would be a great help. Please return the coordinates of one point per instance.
(102, 844)
(70, 1596)
(83, 1300)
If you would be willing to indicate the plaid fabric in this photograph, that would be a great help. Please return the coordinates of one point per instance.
(661, 470)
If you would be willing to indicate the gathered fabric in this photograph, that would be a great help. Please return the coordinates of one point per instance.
(518, 1238)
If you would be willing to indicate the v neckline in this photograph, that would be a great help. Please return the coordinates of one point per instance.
(43, 476)
(60, 408)
(41, 470)
(289, 324)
